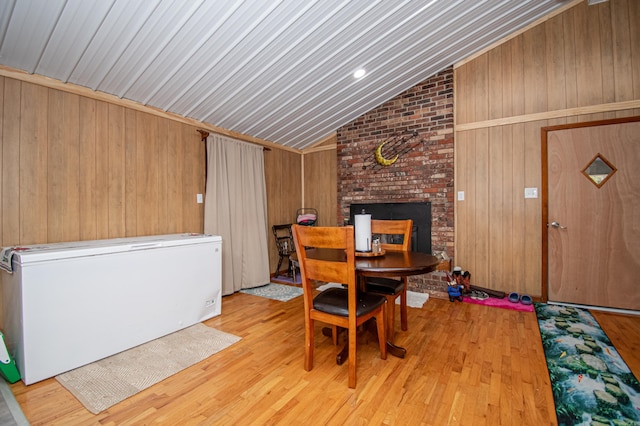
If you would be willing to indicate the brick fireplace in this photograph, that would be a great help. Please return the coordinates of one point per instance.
(423, 171)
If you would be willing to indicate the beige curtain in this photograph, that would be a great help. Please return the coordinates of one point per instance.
(236, 208)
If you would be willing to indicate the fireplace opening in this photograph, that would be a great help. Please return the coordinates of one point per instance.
(419, 212)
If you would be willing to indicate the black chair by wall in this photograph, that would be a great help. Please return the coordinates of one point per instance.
(286, 246)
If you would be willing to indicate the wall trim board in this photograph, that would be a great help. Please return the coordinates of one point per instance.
(301, 182)
(112, 99)
(321, 145)
(547, 115)
(320, 149)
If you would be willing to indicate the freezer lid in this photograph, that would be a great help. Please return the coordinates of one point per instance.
(54, 251)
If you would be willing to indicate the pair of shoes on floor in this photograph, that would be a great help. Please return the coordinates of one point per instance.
(454, 298)
(525, 299)
(479, 295)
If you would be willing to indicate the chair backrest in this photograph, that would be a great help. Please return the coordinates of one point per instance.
(284, 238)
(392, 228)
(325, 254)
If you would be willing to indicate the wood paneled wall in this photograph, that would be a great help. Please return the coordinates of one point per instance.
(283, 174)
(321, 182)
(581, 65)
(287, 174)
(294, 182)
(75, 168)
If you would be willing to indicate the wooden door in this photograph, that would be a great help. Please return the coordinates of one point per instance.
(593, 225)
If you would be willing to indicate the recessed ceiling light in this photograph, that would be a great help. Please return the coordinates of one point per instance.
(359, 73)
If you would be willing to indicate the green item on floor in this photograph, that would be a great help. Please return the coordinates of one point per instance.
(8, 368)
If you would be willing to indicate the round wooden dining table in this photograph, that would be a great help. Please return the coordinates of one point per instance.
(391, 264)
(396, 264)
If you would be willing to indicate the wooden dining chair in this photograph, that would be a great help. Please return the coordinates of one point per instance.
(343, 307)
(395, 236)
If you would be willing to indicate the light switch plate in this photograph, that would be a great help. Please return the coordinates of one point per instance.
(460, 195)
(531, 193)
(199, 198)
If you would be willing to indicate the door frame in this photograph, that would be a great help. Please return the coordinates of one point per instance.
(545, 187)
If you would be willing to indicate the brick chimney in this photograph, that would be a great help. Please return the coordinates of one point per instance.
(423, 173)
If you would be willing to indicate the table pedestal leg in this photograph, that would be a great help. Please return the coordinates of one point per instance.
(392, 349)
(396, 351)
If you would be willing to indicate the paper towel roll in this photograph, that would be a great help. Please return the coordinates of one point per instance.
(363, 232)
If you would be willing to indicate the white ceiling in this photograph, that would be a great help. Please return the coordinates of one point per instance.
(280, 71)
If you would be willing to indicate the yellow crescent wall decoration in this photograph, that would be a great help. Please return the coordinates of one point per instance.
(396, 145)
(381, 160)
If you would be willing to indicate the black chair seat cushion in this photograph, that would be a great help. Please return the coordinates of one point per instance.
(335, 301)
(384, 285)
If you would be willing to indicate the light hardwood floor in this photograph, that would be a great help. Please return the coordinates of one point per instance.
(466, 364)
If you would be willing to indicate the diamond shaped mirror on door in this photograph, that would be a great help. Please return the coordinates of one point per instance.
(599, 170)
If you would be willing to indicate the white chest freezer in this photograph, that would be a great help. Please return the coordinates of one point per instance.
(70, 304)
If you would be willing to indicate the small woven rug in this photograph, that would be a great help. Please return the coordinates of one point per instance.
(415, 299)
(104, 383)
(275, 291)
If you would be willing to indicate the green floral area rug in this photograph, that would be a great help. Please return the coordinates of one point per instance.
(274, 291)
(591, 383)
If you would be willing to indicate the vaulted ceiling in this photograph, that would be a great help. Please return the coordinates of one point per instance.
(277, 70)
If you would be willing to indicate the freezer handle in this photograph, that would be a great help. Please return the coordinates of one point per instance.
(144, 246)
